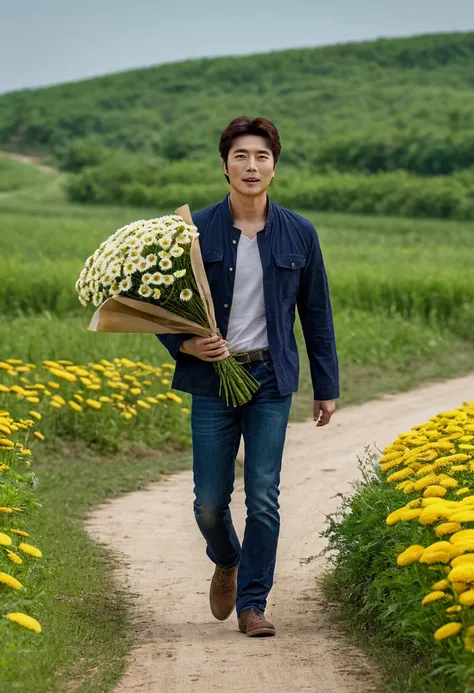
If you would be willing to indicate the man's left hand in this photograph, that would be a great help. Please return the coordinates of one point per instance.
(323, 410)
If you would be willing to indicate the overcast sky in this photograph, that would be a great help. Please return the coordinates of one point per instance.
(49, 41)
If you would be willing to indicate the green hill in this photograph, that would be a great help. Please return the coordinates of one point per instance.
(362, 108)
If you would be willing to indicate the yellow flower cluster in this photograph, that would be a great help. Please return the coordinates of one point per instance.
(433, 465)
(123, 385)
(12, 547)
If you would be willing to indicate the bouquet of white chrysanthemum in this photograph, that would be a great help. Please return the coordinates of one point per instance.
(149, 277)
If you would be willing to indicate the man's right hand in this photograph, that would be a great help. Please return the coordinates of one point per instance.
(206, 348)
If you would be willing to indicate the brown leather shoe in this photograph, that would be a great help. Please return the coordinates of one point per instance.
(253, 622)
(223, 592)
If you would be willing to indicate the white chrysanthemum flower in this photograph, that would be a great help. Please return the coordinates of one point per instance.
(176, 251)
(145, 290)
(78, 285)
(133, 254)
(183, 239)
(115, 269)
(93, 272)
(133, 242)
(163, 253)
(152, 259)
(168, 279)
(124, 248)
(165, 242)
(146, 278)
(156, 278)
(125, 284)
(106, 280)
(129, 268)
(142, 264)
(148, 239)
(97, 298)
(156, 294)
(166, 264)
(186, 295)
(114, 289)
(83, 301)
(179, 273)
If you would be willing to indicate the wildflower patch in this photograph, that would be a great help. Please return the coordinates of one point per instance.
(403, 543)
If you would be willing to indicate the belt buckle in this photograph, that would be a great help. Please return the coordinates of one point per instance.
(247, 355)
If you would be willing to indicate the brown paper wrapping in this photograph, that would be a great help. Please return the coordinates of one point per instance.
(122, 314)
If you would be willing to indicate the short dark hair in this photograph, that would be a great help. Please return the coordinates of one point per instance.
(243, 125)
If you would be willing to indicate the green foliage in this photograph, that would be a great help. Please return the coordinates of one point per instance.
(420, 151)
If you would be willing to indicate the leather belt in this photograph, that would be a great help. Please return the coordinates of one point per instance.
(251, 356)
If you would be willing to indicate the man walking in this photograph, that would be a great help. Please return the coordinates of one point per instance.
(261, 260)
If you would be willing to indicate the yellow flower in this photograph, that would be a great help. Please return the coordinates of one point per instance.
(435, 557)
(4, 443)
(185, 410)
(93, 404)
(38, 435)
(142, 404)
(33, 400)
(441, 585)
(74, 405)
(410, 514)
(24, 620)
(160, 396)
(14, 557)
(467, 598)
(447, 630)
(454, 609)
(463, 516)
(448, 483)
(21, 532)
(463, 535)
(462, 491)
(165, 381)
(30, 550)
(5, 540)
(5, 510)
(447, 528)
(433, 597)
(35, 414)
(410, 555)
(394, 517)
(462, 573)
(175, 398)
(10, 581)
(399, 476)
(434, 491)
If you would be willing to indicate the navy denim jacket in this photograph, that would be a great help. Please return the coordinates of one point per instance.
(293, 273)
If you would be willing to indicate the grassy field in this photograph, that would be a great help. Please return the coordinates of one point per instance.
(403, 312)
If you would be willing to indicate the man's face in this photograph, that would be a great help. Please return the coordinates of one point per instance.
(250, 164)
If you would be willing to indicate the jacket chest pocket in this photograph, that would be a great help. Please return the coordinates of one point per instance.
(212, 260)
(287, 274)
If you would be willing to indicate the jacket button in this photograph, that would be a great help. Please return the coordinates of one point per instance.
(293, 265)
(226, 305)
(234, 242)
(231, 269)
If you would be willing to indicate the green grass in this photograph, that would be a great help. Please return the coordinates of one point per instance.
(85, 619)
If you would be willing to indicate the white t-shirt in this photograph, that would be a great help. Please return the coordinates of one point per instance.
(247, 324)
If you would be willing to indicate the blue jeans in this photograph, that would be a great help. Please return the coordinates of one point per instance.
(216, 432)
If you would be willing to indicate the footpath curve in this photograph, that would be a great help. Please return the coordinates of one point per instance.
(179, 647)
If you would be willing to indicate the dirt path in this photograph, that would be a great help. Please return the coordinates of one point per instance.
(28, 160)
(179, 646)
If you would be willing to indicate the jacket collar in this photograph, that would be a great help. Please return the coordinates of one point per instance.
(225, 210)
